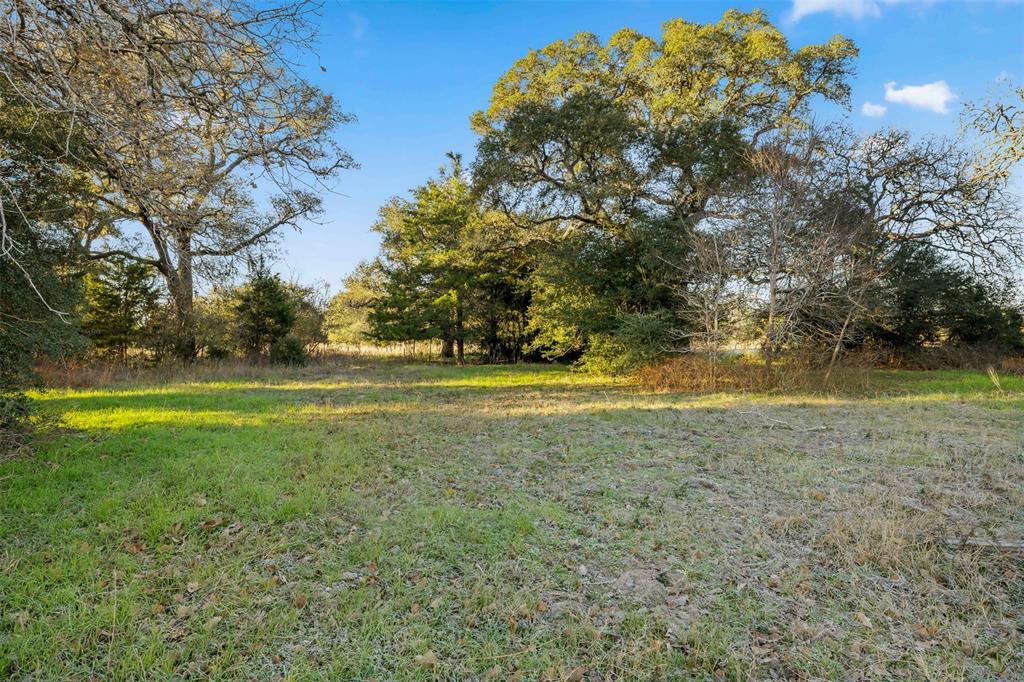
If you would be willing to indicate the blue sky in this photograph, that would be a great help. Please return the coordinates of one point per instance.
(413, 73)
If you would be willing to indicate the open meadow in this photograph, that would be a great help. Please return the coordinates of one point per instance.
(511, 341)
(388, 521)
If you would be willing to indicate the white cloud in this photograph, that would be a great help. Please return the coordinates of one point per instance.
(873, 110)
(857, 9)
(358, 25)
(932, 96)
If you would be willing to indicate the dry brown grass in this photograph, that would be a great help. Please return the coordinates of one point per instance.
(98, 373)
(1012, 365)
(101, 372)
(697, 374)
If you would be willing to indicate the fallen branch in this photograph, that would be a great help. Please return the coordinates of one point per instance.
(1006, 545)
(772, 423)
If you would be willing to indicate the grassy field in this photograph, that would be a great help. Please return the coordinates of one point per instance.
(397, 522)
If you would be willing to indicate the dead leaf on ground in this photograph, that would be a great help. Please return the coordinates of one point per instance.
(427, 660)
(576, 674)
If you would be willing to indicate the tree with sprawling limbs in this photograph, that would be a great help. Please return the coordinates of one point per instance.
(1000, 121)
(622, 148)
(188, 112)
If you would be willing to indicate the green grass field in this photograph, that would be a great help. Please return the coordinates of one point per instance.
(396, 522)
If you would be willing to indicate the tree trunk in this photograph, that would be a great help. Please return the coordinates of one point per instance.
(447, 348)
(838, 347)
(459, 333)
(769, 340)
(183, 296)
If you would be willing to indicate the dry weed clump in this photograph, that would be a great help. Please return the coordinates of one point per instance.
(883, 538)
(699, 374)
(1012, 365)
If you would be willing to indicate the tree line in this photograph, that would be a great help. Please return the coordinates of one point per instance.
(627, 199)
(644, 196)
(174, 137)
(125, 316)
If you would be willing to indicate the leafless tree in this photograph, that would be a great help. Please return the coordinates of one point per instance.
(1000, 121)
(713, 299)
(932, 190)
(794, 238)
(194, 121)
(817, 224)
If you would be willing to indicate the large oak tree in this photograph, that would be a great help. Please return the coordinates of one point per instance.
(199, 132)
(615, 151)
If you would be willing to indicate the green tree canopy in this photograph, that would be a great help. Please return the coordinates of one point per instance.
(42, 210)
(450, 271)
(120, 297)
(614, 153)
(593, 133)
(926, 300)
(347, 317)
(266, 312)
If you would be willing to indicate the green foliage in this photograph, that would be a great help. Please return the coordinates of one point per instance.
(449, 270)
(265, 310)
(42, 213)
(310, 305)
(638, 338)
(40, 282)
(612, 153)
(120, 298)
(216, 320)
(927, 301)
(347, 317)
(244, 320)
(288, 350)
(741, 66)
(588, 290)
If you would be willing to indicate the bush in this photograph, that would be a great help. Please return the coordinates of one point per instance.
(928, 302)
(288, 351)
(265, 313)
(637, 341)
(214, 352)
(15, 423)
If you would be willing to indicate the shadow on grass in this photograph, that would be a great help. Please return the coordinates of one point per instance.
(476, 476)
(257, 437)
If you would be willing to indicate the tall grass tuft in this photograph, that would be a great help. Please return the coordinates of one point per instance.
(994, 376)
